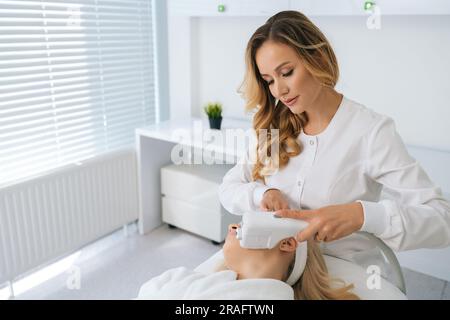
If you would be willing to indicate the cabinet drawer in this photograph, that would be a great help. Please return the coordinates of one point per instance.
(196, 184)
(198, 220)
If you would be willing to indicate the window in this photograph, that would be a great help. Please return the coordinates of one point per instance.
(76, 79)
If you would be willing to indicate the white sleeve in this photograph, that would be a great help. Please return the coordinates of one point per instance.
(238, 193)
(417, 216)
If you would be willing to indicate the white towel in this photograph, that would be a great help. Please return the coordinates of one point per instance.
(184, 284)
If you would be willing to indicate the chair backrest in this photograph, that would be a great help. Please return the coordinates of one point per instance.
(399, 280)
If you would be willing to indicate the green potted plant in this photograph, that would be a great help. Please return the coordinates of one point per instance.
(214, 112)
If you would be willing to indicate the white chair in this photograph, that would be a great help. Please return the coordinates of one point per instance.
(392, 285)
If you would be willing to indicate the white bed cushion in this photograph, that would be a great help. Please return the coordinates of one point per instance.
(337, 268)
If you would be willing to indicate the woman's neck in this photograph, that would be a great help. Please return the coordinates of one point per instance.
(265, 268)
(322, 111)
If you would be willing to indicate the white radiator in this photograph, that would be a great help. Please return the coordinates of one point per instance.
(51, 216)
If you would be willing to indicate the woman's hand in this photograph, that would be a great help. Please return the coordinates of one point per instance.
(328, 223)
(273, 200)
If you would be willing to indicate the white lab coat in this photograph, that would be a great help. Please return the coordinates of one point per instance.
(357, 156)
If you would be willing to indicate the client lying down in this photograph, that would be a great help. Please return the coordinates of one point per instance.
(277, 273)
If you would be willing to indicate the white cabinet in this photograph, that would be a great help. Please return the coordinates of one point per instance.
(190, 200)
(235, 8)
(155, 146)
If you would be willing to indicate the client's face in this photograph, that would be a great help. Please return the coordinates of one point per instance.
(235, 256)
(233, 253)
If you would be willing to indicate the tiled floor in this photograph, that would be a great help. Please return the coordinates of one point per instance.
(115, 267)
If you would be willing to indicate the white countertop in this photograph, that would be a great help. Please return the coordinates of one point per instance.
(195, 132)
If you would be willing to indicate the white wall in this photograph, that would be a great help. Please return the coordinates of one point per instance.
(401, 70)
(218, 61)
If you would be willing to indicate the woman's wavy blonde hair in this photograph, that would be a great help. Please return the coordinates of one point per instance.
(315, 282)
(297, 31)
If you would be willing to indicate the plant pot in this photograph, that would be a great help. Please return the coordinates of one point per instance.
(214, 123)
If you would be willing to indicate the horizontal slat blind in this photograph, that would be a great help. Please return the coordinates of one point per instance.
(76, 79)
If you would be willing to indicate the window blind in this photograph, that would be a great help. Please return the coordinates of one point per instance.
(76, 79)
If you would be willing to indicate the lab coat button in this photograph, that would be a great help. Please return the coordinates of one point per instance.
(299, 183)
(311, 142)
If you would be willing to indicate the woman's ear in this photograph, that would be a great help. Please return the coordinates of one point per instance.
(288, 244)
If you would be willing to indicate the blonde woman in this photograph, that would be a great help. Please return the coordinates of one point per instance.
(278, 263)
(256, 274)
(335, 155)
